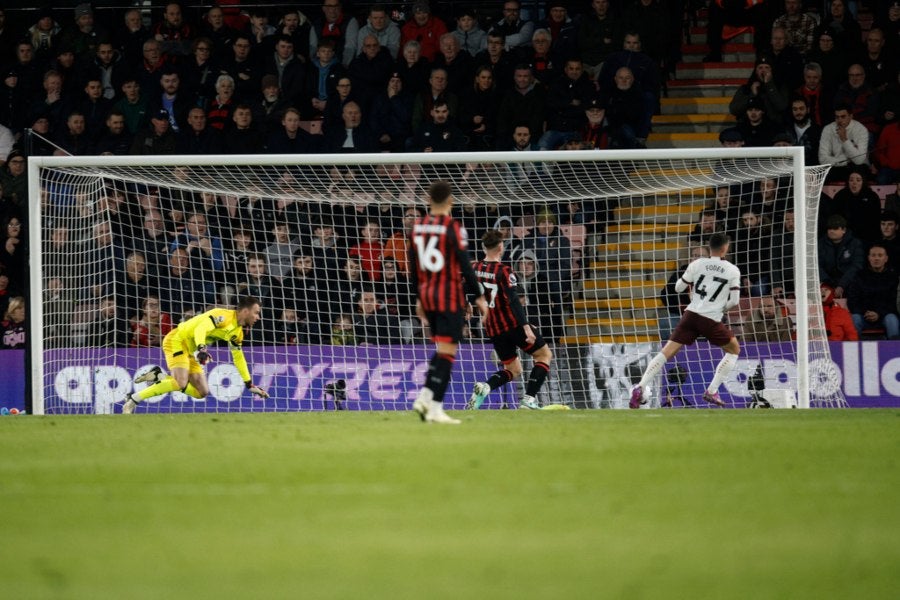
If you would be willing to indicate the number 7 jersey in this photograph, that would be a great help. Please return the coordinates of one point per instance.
(713, 280)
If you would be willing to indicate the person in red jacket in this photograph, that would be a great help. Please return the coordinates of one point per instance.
(424, 28)
(838, 322)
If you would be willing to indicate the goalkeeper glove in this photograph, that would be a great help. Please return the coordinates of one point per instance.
(202, 355)
(255, 389)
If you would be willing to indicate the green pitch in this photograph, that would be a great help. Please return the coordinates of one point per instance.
(601, 504)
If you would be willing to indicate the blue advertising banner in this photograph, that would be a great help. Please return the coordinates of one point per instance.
(386, 378)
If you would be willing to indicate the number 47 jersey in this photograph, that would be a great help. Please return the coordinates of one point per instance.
(713, 280)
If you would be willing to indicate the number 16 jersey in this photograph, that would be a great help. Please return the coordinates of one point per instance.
(713, 279)
(439, 264)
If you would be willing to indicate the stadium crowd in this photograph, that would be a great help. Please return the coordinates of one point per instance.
(241, 79)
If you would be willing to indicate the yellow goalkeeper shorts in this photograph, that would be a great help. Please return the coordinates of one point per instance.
(177, 354)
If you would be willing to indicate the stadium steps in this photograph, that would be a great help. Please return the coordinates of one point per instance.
(699, 123)
(640, 250)
(672, 213)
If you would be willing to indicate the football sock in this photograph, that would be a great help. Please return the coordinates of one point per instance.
(653, 369)
(190, 390)
(722, 370)
(536, 379)
(157, 389)
(499, 378)
(439, 375)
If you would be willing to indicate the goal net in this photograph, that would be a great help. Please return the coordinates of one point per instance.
(129, 247)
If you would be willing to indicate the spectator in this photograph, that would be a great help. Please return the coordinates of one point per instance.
(158, 138)
(397, 246)
(205, 251)
(153, 65)
(523, 104)
(259, 29)
(280, 253)
(872, 298)
(596, 37)
(13, 328)
(326, 251)
(843, 143)
(198, 137)
(220, 110)
(7, 39)
(12, 100)
(412, 68)
(440, 134)
(334, 110)
(841, 256)
(290, 138)
(351, 138)
(216, 30)
(861, 98)
(172, 100)
(132, 285)
(82, 36)
(108, 68)
(52, 104)
(424, 28)
(839, 325)
(243, 68)
(787, 61)
(294, 25)
(553, 253)
(886, 155)
(803, 132)
(643, 68)
(880, 64)
(674, 303)
(768, 323)
(818, 98)
(14, 182)
(243, 137)
(260, 284)
(499, 60)
(115, 138)
(478, 110)
(392, 115)
(322, 77)
(889, 224)
(731, 137)
(94, 107)
(43, 34)
(704, 229)
(373, 324)
(336, 26)
(199, 74)
(151, 326)
(397, 295)
(74, 140)
(342, 333)
(301, 288)
(346, 289)
(566, 99)
(628, 115)
(761, 85)
(843, 27)
(13, 248)
(539, 59)
(151, 242)
(457, 64)
(563, 30)
(379, 25)
(370, 71)
(133, 105)
(783, 234)
(799, 26)
(752, 253)
(268, 110)
(833, 61)
(647, 18)
(289, 70)
(172, 32)
(516, 31)
(129, 39)
(860, 206)
(369, 250)
(27, 70)
(436, 92)
(596, 130)
(471, 37)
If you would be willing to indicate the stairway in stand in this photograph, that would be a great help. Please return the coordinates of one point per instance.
(696, 109)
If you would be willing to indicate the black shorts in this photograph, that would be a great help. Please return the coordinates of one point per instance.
(506, 343)
(691, 326)
(446, 326)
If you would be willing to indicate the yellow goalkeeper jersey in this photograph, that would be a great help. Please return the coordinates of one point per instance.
(213, 325)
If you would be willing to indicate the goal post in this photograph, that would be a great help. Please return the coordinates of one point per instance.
(127, 247)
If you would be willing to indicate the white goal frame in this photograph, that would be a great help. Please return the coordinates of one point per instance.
(795, 154)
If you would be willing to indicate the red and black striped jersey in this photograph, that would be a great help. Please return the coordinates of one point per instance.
(439, 263)
(500, 285)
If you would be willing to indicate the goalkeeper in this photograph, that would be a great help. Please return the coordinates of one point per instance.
(185, 349)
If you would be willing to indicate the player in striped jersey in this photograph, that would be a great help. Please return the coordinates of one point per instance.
(715, 287)
(438, 264)
(507, 327)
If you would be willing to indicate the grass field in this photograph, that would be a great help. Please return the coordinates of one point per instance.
(599, 504)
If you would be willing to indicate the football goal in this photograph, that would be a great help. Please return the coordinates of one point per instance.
(123, 249)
